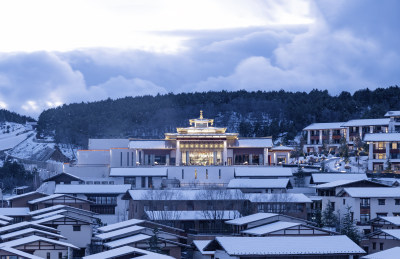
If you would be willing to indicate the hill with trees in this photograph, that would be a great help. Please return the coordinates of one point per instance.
(249, 113)
(8, 116)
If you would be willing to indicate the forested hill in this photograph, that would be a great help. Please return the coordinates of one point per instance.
(8, 116)
(249, 113)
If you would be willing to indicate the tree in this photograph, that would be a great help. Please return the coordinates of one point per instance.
(388, 168)
(329, 218)
(344, 150)
(153, 242)
(348, 228)
(299, 177)
(317, 218)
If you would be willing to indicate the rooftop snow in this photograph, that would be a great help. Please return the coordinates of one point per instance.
(146, 144)
(192, 215)
(324, 126)
(5, 218)
(269, 228)
(97, 144)
(3, 222)
(127, 240)
(278, 197)
(336, 184)
(305, 245)
(328, 177)
(28, 231)
(200, 244)
(366, 122)
(52, 213)
(50, 197)
(392, 113)
(393, 232)
(393, 220)
(33, 238)
(22, 195)
(382, 137)
(60, 216)
(120, 232)
(23, 211)
(127, 250)
(251, 218)
(25, 224)
(60, 206)
(259, 183)
(251, 171)
(18, 252)
(255, 142)
(93, 188)
(119, 225)
(182, 194)
(277, 148)
(374, 192)
(386, 254)
(153, 171)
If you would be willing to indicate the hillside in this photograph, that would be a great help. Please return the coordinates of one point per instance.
(249, 113)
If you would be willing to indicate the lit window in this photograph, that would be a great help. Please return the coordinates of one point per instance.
(195, 173)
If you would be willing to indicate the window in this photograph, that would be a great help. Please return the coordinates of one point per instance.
(76, 228)
(206, 173)
(183, 174)
(364, 218)
(381, 246)
(127, 159)
(143, 182)
(130, 180)
(150, 182)
(344, 201)
(374, 246)
(103, 209)
(120, 162)
(396, 201)
(382, 214)
(396, 214)
(195, 173)
(60, 255)
(219, 173)
(364, 202)
(381, 201)
(48, 255)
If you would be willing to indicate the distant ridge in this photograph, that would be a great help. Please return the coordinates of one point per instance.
(8, 116)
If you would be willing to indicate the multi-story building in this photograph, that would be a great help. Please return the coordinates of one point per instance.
(320, 134)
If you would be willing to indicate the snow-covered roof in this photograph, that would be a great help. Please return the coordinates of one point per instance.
(269, 228)
(250, 218)
(324, 126)
(182, 194)
(60, 216)
(55, 196)
(61, 206)
(328, 177)
(120, 232)
(5, 218)
(366, 122)
(22, 195)
(23, 211)
(76, 178)
(3, 222)
(252, 171)
(200, 244)
(339, 183)
(119, 225)
(97, 144)
(392, 113)
(382, 137)
(18, 252)
(152, 171)
(92, 188)
(127, 250)
(33, 238)
(284, 245)
(392, 232)
(386, 254)
(283, 148)
(147, 144)
(278, 197)
(255, 142)
(52, 213)
(373, 192)
(259, 183)
(393, 220)
(127, 240)
(192, 215)
(28, 231)
(25, 224)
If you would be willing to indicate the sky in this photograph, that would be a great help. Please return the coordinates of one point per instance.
(59, 52)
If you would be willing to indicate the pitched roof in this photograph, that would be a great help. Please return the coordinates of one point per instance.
(71, 176)
(55, 196)
(259, 183)
(25, 224)
(330, 177)
(22, 211)
(28, 231)
(273, 171)
(127, 250)
(255, 142)
(153, 171)
(119, 225)
(127, 240)
(269, 228)
(392, 113)
(18, 252)
(92, 188)
(33, 238)
(250, 218)
(386, 254)
(323, 126)
(59, 207)
(392, 232)
(366, 122)
(278, 197)
(393, 220)
(373, 192)
(120, 232)
(339, 183)
(382, 137)
(200, 244)
(23, 195)
(186, 194)
(193, 215)
(283, 245)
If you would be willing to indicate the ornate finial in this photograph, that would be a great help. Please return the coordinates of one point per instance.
(201, 114)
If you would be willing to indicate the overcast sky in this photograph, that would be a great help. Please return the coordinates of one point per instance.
(55, 52)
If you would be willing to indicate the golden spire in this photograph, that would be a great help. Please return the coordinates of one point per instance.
(201, 114)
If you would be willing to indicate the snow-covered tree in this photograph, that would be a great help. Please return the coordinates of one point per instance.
(348, 228)
(329, 217)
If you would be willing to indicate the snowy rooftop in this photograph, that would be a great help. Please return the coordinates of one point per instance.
(328, 177)
(52, 213)
(200, 244)
(94, 188)
(3, 222)
(259, 183)
(305, 245)
(263, 171)
(382, 137)
(25, 224)
(338, 183)
(60, 216)
(21, 195)
(127, 251)
(23, 211)
(392, 113)
(33, 238)
(108, 143)
(58, 207)
(182, 194)
(278, 197)
(146, 144)
(324, 126)
(251, 218)
(127, 240)
(192, 215)
(366, 122)
(386, 254)
(18, 252)
(286, 148)
(29, 231)
(255, 142)
(269, 228)
(393, 232)
(5, 218)
(374, 192)
(120, 232)
(119, 225)
(54, 196)
(153, 171)
(393, 220)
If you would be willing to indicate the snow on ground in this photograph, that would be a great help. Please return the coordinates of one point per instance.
(11, 134)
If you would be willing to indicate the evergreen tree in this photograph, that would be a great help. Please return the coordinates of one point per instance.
(344, 150)
(329, 218)
(317, 218)
(153, 242)
(348, 228)
(299, 179)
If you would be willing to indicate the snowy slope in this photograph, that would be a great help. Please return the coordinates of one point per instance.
(11, 134)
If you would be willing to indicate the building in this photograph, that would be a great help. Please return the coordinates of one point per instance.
(320, 134)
